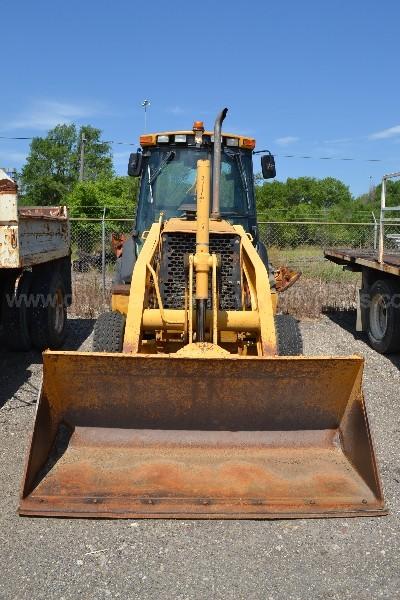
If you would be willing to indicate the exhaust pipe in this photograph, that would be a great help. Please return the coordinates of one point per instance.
(216, 172)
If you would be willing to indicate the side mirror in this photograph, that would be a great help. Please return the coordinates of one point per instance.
(135, 164)
(268, 166)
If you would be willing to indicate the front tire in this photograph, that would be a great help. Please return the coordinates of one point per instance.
(383, 325)
(109, 332)
(288, 336)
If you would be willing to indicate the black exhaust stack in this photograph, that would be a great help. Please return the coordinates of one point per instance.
(216, 172)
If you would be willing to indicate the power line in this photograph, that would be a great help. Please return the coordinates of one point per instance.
(296, 156)
(337, 158)
(343, 158)
(2, 137)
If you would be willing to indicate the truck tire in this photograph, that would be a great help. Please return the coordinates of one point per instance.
(383, 322)
(288, 335)
(49, 312)
(108, 333)
(16, 312)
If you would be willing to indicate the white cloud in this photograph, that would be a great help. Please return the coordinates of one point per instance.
(287, 140)
(385, 133)
(45, 114)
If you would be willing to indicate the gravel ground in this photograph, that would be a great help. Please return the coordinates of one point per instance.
(333, 559)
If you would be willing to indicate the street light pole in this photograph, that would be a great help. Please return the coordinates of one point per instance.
(145, 104)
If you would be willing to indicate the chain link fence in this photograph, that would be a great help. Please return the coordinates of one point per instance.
(298, 244)
(295, 241)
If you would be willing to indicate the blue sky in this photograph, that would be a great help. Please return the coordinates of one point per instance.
(306, 78)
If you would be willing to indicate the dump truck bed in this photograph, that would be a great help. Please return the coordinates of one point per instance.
(40, 234)
(364, 258)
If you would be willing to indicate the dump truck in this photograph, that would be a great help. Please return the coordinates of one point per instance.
(196, 401)
(378, 301)
(35, 272)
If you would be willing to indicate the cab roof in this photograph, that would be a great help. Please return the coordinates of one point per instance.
(151, 139)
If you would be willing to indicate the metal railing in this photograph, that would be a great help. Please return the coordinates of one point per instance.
(383, 221)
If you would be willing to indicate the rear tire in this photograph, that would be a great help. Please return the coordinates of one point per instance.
(49, 312)
(288, 336)
(108, 333)
(383, 324)
(16, 312)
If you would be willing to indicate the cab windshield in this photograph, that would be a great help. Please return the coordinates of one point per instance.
(168, 184)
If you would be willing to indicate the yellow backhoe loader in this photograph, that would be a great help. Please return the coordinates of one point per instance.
(196, 400)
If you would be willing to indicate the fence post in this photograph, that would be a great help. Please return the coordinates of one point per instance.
(375, 231)
(103, 252)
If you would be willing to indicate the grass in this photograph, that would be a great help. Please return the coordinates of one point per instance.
(310, 297)
(311, 262)
(323, 286)
(89, 300)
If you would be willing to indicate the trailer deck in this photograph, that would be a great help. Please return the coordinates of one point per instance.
(361, 258)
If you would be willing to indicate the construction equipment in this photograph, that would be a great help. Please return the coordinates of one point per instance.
(196, 401)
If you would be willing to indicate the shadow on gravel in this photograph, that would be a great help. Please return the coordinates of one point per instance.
(14, 373)
(78, 332)
(347, 320)
(15, 369)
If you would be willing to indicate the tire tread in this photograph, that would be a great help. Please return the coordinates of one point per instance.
(289, 338)
(108, 333)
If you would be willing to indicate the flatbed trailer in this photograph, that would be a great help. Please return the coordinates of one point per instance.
(35, 272)
(378, 309)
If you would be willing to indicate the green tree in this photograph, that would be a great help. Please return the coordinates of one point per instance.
(309, 193)
(392, 193)
(52, 167)
(88, 199)
(304, 199)
(117, 195)
(98, 157)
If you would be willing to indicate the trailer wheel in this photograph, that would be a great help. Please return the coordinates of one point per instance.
(383, 325)
(289, 340)
(108, 333)
(16, 312)
(49, 312)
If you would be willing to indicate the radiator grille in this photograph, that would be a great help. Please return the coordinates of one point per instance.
(172, 269)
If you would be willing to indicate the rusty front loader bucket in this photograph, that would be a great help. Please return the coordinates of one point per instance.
(118, 435)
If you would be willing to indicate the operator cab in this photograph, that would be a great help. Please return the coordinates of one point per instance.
(167, 165)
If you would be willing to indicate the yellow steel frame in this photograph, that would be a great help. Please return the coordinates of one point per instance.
(120, 303)
(139, 287)
(260, 318)
(257, 278)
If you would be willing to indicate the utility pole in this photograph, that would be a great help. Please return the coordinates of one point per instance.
(82, 159)
(145, 104)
